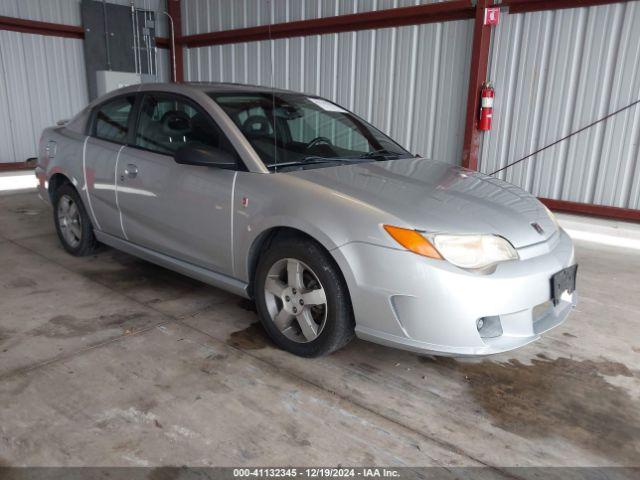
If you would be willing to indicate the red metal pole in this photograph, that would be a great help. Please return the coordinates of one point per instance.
(174, 9)
(477, 76)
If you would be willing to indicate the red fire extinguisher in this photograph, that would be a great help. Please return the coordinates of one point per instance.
(486, 106)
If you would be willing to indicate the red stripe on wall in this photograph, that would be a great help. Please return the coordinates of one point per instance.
(53, 29)
(40, 28)
(593, 210)
(395, 17)
(522, 6)
(11, 166)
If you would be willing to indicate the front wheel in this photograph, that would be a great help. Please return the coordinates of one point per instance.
(302, 299)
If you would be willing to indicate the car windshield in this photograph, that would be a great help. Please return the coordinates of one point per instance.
(291, 131)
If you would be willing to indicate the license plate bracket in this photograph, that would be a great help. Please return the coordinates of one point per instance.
(563, 281)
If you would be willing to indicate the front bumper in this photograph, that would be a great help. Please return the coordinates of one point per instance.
(415, 303)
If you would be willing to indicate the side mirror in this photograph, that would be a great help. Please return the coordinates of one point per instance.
(205, 156)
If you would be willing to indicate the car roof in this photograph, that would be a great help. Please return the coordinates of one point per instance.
(204, 87)
(214, 87)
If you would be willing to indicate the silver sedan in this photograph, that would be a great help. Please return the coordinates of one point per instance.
(332, 228)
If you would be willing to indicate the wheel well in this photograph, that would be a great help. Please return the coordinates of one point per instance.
(55, 182)
(264, 241)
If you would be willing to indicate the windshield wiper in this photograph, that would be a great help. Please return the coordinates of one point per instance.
(381, 152)
(316, 160)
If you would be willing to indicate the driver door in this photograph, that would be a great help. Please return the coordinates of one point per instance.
(183, 211)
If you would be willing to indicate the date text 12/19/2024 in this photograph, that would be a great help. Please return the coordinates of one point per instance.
(310, 472)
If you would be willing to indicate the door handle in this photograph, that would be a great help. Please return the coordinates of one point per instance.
(131, 171)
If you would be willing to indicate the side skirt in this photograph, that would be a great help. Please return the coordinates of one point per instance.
(209, 277)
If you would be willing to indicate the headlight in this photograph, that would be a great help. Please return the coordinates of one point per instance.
(413, 240)
(552, 217)
(474, 251)
(464, 251)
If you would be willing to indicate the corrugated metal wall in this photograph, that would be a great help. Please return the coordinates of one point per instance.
(54, 11)
(554, 73)
(201, 16)
(406, 81)
(42, 78)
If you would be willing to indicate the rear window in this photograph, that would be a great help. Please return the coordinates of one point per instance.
(112, 119)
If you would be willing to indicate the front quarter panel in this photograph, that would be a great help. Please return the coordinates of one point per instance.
(265, 201)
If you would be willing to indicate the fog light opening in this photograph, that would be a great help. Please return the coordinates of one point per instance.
(489, 327)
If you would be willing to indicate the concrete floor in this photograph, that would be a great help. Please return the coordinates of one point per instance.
(109, 360)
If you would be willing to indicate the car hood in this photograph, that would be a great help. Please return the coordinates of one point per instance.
(438, 197)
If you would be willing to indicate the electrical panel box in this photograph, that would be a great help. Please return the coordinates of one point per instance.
(117, 38)
(108, 80)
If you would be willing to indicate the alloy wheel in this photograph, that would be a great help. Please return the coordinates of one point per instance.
(296, 300)
(70, 221)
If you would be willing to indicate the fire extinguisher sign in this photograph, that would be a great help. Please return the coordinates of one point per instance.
(491, 15)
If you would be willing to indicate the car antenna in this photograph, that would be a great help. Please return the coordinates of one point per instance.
(566, 137)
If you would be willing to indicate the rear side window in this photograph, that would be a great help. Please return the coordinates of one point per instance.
(166, 123)
(112, 119)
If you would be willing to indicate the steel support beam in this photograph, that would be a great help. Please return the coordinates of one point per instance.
(393, 17)
(53, 29)
(477, 76)
(15, 166)
(523, 6)
(604, 211)
(40, 28)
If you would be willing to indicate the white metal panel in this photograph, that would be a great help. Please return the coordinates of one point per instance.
(410, 82)
(53, 11)
(43, 81)
(42, 78)
(164, 65)
(556, 72)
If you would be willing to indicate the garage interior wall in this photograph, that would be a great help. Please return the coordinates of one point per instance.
(555, 72)
(42, 78)
(406, 81)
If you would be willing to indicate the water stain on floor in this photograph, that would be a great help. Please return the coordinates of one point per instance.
(21, 282)
(563, 397)
(5, 334)
(68, 326)
(251, 338)
(135, 272)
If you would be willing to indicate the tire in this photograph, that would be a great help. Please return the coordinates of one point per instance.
(317, 272)
(73, 224)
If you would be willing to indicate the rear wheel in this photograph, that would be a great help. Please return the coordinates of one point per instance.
(73, 224)
(302, 298)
